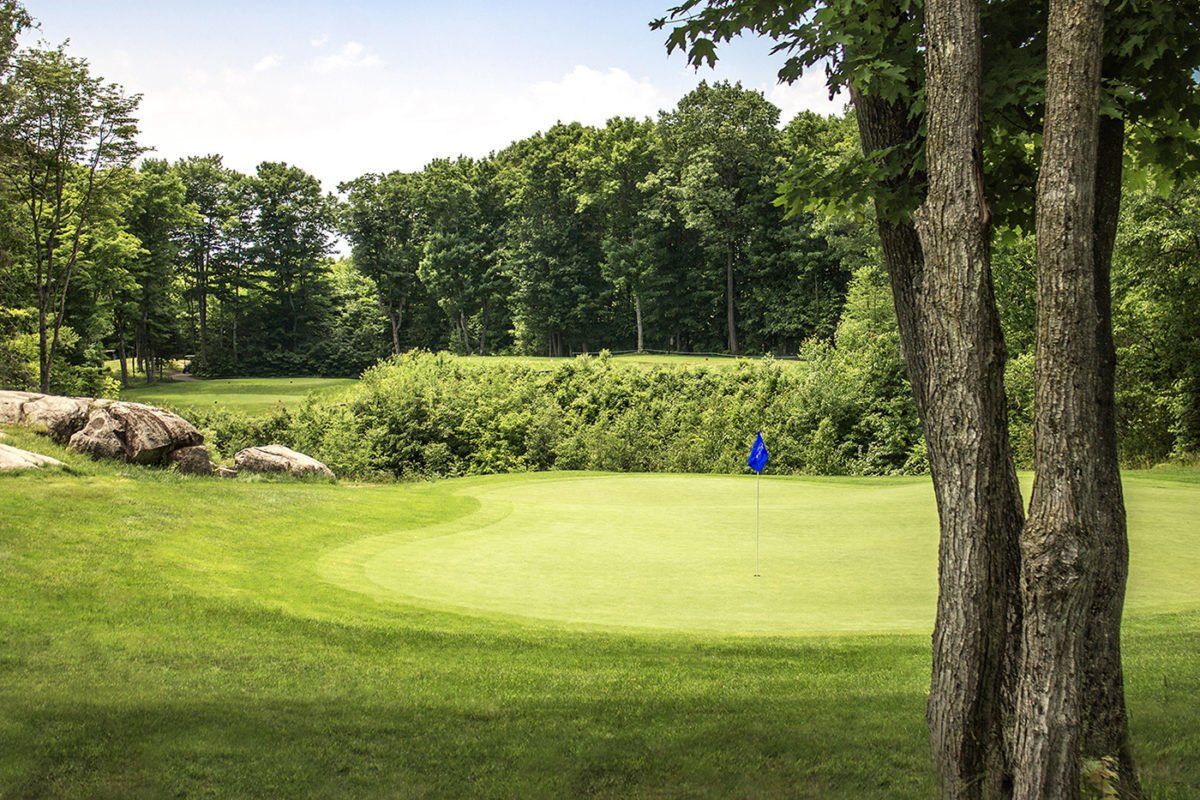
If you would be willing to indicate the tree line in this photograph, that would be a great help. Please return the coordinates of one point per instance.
(636, 234)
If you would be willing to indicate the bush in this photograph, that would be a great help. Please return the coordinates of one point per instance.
(423, 415)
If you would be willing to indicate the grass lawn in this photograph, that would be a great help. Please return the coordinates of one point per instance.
(249, 395)
(515, 636)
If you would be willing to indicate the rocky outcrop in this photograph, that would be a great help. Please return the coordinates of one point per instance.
(61, 417)
(134, 432)
(277, 458)
(194, 460)
(12, 406)
(13, 458)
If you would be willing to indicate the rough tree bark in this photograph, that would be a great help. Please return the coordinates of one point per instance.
(966, 423)
(1105, 722)
(1058, 543)
(394, 315)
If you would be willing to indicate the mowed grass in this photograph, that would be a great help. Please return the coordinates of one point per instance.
(247, 395)
(166, 636)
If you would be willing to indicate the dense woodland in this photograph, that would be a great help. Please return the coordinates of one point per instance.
(686, 233)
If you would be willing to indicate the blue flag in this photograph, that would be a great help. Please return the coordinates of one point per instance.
(758, 454)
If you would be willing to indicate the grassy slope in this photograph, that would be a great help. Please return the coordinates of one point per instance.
(250, 395)
(166, 636)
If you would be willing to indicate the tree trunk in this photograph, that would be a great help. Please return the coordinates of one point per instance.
(202, 299)
(121, 352)
(730, 320)
(394, 319)
(1105, 722)
(637, 314)
(43, 345)
(1058, 544)
(966, 424)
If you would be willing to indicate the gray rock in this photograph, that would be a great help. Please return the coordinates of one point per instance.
(225, 472)
(12, 406)
(194, 460)
(102, 437)
(13, 458)
(277, 458)
(61, 417)
(137, 433)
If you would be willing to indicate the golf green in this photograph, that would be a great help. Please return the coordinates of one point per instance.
(675, 552)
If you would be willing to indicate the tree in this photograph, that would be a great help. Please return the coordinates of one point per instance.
(291, 236)
(613, 165)
(229, 273)
(462, 222)
(207, 183)
(965, 411)
(68, 133)
(147, 306)
(720, 144)
(1059, 556)
(552, 249)
(381, 218)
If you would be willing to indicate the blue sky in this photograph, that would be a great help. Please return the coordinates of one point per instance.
(346, 88)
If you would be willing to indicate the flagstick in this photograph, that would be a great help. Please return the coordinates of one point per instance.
(757, 513)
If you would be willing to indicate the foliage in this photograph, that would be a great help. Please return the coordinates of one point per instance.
(846, 410)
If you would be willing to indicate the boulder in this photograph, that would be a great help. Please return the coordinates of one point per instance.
(12, 406)
(137, 433)
(61, 417)
(194, 460)
(277, 458)
(12, 458)
(225, 472)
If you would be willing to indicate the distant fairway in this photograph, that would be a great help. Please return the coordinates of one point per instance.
(248, 395)
(548, 635)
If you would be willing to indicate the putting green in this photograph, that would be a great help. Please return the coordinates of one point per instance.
(678, 552)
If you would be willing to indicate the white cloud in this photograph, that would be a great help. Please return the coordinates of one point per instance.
(809, 93)
(353, 55)
(319, 41)
(269, 61)
(590, 96)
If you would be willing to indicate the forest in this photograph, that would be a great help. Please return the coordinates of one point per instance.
(715, 227)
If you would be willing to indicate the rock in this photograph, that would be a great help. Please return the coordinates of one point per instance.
(225, 472)
(194, 460)
(138, 433)
(277, 458)
(12, 458)
(62, 417)
(102, 437)
(12, 406)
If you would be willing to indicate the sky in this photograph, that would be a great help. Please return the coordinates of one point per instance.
(346, 88)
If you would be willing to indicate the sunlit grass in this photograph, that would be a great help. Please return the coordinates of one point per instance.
(171, 636)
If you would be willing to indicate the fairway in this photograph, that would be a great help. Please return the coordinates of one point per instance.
(248, 395)
(676, 552)
(531, 635)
